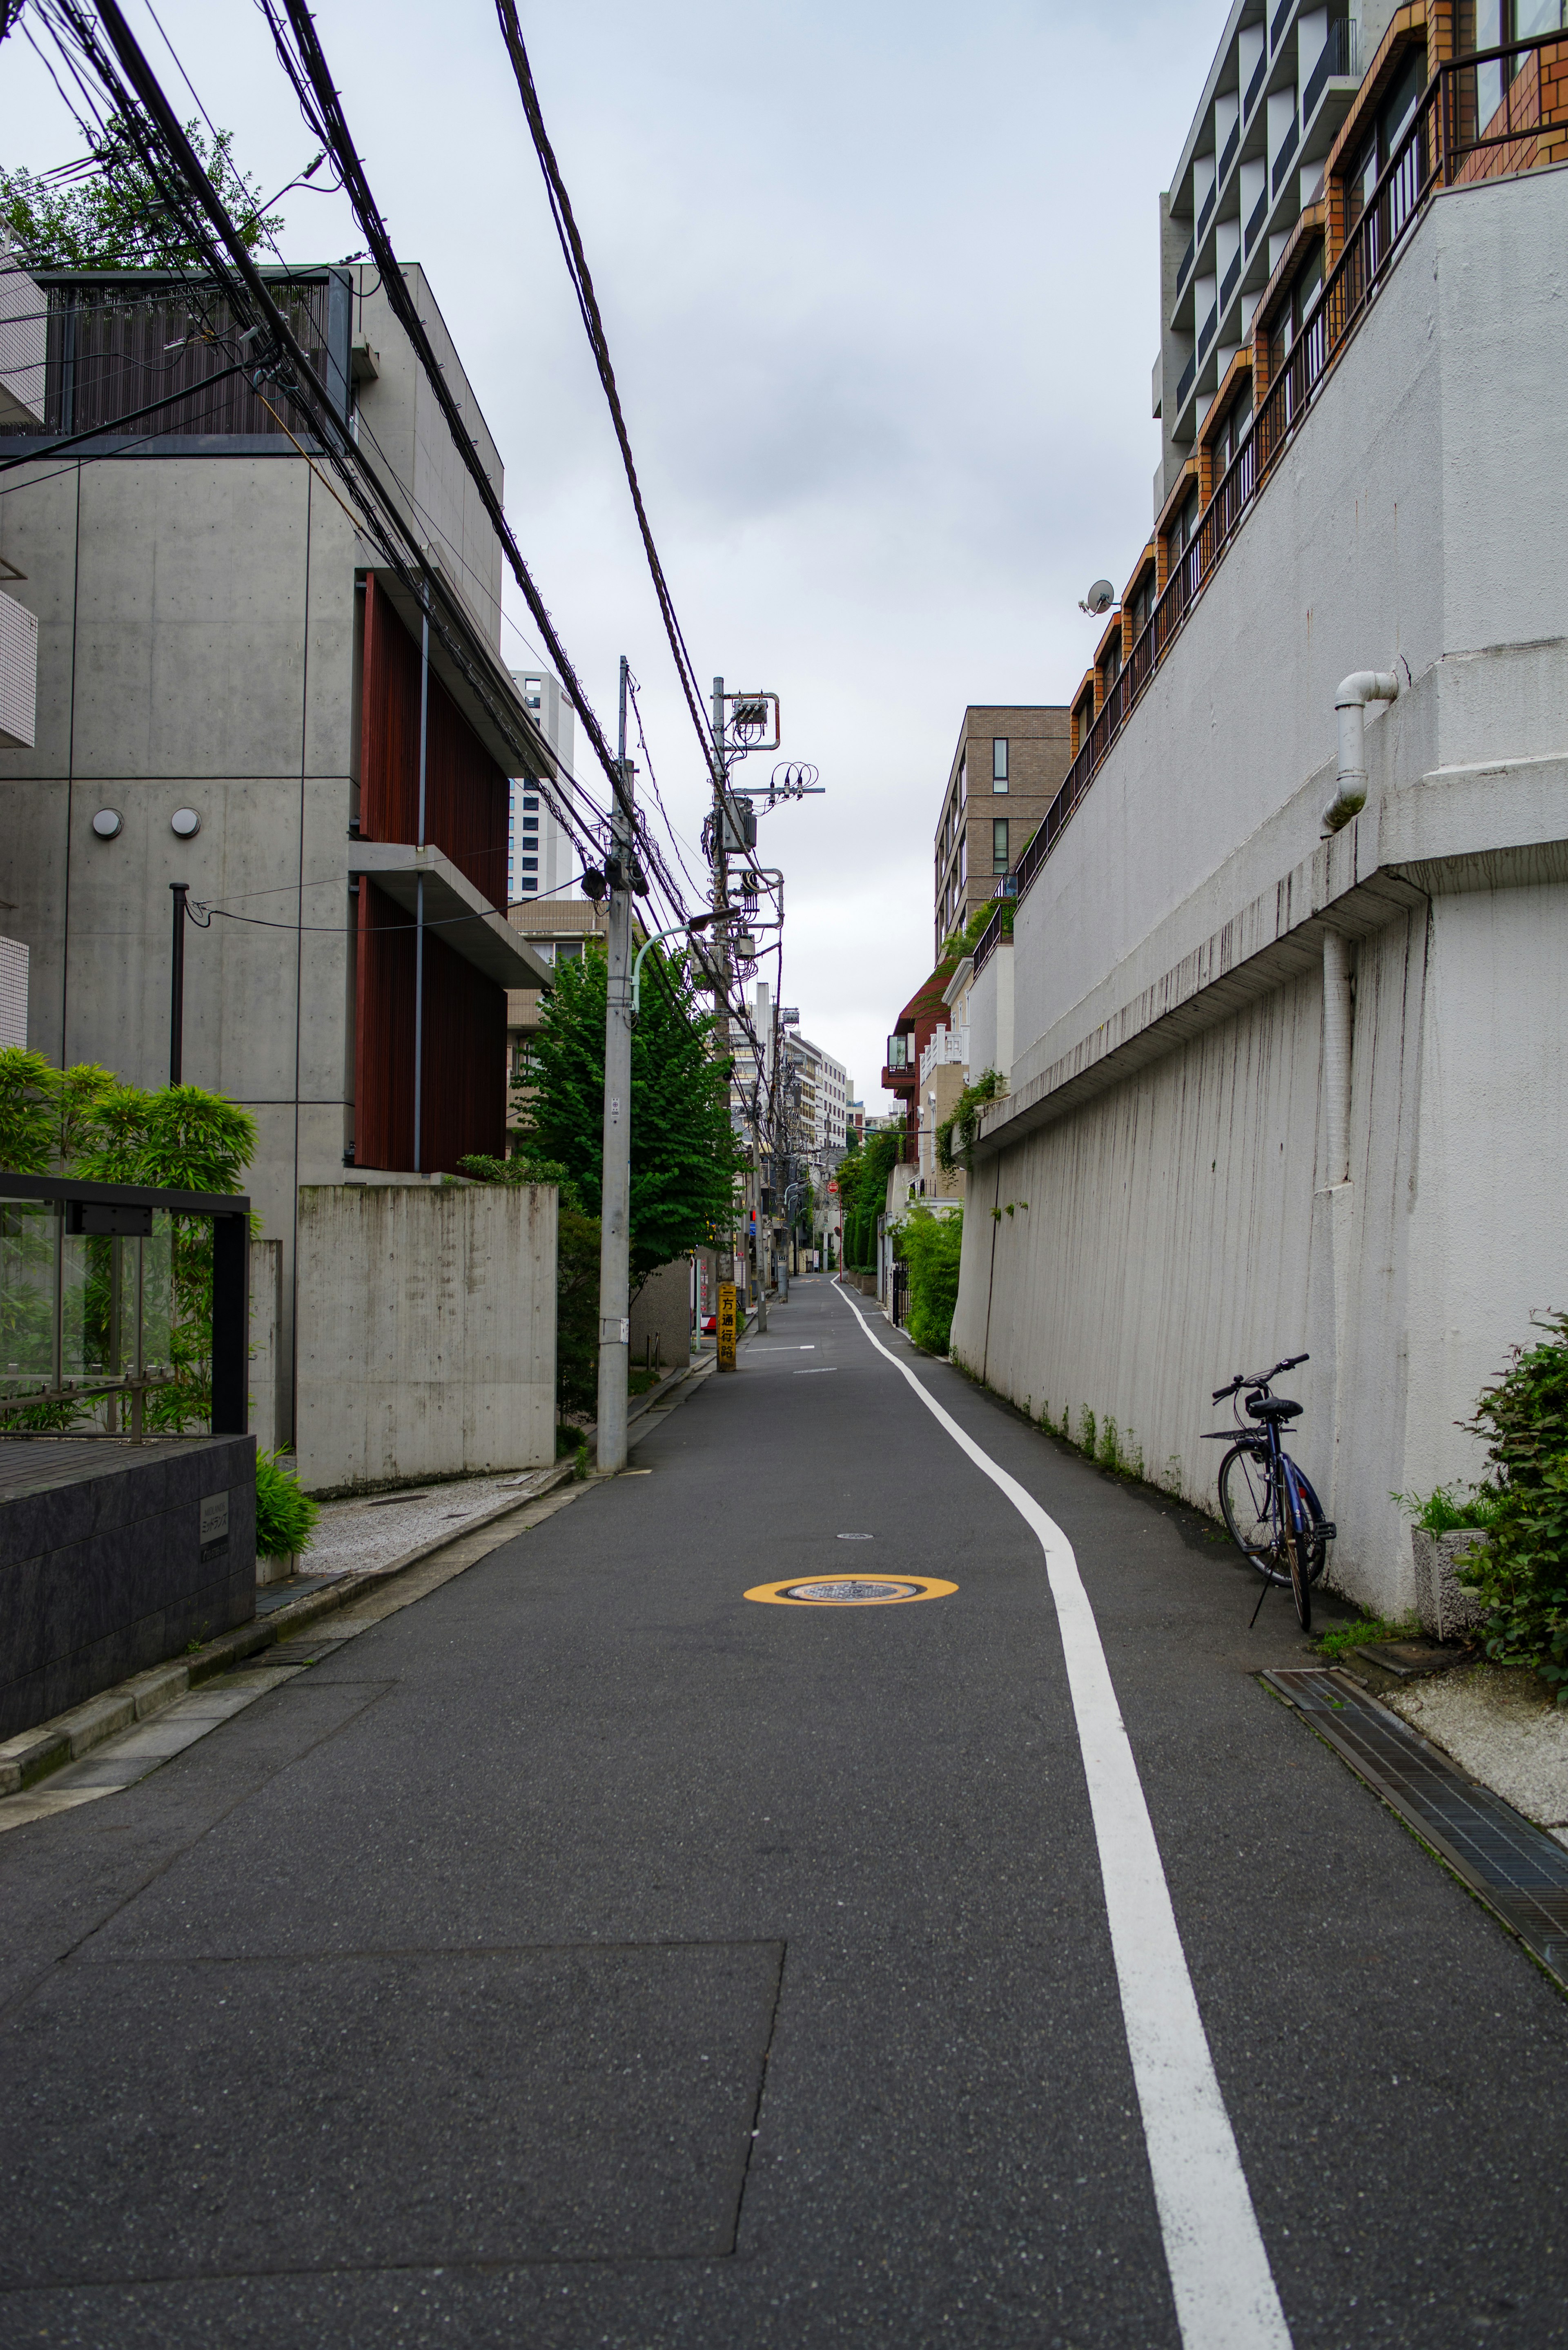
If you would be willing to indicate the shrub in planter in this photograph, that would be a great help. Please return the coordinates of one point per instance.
(286, 1515)
(931, 1245)
(1445, 1528)
(1522, 1576)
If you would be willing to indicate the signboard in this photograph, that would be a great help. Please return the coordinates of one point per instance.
(833, 1190)
(726, 1325)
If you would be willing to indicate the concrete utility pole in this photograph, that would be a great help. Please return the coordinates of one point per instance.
(720, 901)
(615, 1203)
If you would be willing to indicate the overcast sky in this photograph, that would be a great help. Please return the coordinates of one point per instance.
(880, 283)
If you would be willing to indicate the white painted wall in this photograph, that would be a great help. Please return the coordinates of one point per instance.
(1166, 1126)
(427, 1332)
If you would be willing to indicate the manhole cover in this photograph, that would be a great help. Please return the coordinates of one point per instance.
(851, 1591)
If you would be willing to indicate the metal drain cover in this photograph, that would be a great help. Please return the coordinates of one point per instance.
(1515, 1867)
(851, 1591)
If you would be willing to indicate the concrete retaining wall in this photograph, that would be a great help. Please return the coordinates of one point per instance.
(427, 1332)
(661, 1315)
(1164, 1147)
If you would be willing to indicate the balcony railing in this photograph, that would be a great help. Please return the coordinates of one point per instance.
(1229, 156)
(1287, 149)
(1258, 73)
(1186, 262)
(1231, 274)
(1467, 128)
(1260, 215)
(1277, 29)
(1206, 334)
(1185, 384)
(1338, 56)
(1207, 211)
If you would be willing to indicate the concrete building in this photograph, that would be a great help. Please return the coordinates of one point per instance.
(1005, 771)
(824, 1088)
(230, 694)
(540, 857)
(1290, 985)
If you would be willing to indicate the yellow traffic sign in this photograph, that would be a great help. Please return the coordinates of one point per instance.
(726, 1325)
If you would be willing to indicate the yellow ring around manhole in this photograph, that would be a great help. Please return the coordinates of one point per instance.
(858, 1590)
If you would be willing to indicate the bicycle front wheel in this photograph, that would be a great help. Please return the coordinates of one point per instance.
(1247, 1501)
(1299, 1547)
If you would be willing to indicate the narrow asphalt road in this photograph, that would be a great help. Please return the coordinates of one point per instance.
(592, 1955)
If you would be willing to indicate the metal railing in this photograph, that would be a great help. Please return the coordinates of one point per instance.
(1260, 215)
(1287, 149)
(1227, 157)
(1338, 56)
(1458, 135)
(89, 1304)
(1256, 84)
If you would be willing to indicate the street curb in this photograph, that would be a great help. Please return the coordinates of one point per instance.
(35, 1753)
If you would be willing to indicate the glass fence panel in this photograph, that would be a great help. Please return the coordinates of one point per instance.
(28, 1232)
(157, 1290)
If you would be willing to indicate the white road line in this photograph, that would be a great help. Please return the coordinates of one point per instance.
(1220, 2273)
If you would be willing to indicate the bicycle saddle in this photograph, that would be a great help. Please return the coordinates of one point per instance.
(1273, 1408)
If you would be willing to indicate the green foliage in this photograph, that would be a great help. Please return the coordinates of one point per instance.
(685, 1155)
(286, 1515)
(862, 1190)
(961, 1124)
(929, 1245)
(1445, 1509)
(1522, 1574)
(965, 940)
(1340, 1638)
(83, 1121)
(520, 1170)
(115, 218)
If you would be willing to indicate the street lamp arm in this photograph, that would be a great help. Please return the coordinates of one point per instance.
(677, 929)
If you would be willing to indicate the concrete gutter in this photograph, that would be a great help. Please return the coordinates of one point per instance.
(34, 1753)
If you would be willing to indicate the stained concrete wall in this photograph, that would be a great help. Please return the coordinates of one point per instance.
(1166, 1125)
(661, 1314)
(427, 1332)
(266, 1323)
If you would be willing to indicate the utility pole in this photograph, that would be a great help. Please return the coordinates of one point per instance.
(615, 1203)
(720, 933)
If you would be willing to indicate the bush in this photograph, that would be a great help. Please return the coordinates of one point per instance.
(929, 1245)
(1522, 1575)
(286, 1515)
(1444, 1511)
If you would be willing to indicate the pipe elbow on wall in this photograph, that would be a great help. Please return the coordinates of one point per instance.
(1350, 701)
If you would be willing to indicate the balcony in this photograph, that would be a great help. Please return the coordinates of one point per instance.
(1277, 29)
(1260, 73)
(1283, 159)
(1206, 335)
(1229, 157)
(1255, 225)
(1185, 386)
(1186, 262)
(1207, 213)
(899, 1075)
(1231, 276)
(1336, 58)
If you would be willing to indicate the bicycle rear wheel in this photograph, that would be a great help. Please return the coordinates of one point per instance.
(1247, 1501)
(1300, 1548)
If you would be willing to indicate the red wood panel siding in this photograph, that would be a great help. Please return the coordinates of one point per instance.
(464, 1047)
(384, 1033)
(466, 796)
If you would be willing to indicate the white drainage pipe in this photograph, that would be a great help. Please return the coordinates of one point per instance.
(1350, 707)
(1336, 1020)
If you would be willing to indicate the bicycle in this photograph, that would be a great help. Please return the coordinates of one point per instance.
(1272, 1514)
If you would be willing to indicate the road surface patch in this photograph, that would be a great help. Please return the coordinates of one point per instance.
(851, 1591)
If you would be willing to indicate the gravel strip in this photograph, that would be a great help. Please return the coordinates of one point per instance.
(1503, 1729)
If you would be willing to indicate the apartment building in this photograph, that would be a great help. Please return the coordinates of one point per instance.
(1005, 771)
(1288, 973)
(824, 1092)
(558, 930)
(233, 692)
(540, 856)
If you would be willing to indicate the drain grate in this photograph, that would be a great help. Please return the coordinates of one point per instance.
(292, 1652)
(1519, 1871)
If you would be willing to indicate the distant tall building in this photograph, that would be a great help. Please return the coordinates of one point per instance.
(540, 858)
(825, 1091)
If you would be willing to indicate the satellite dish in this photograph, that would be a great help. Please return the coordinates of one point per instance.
(1100, 598)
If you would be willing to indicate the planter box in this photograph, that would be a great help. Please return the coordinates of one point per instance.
(1442, 1602)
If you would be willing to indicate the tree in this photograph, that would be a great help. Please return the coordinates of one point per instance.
(685, 1155)
(115, 217)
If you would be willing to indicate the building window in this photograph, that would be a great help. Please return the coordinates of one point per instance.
(999, 763)
(528, 887)
(963, 779)
(963, 860)
(1084, 718)
(1233, 432)
(1141, 604)
(999, 845)
(569, 951)
(530, 799)
(530, 864)
(1110, 668)
(530, 824)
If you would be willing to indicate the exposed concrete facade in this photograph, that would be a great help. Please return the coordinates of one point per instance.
(1168, 1124)
(430, 1346)
(196, 602)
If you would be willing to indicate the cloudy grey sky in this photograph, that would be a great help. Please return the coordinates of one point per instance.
(880, 283)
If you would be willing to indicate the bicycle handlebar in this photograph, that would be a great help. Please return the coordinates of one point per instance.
(1259, 1378)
